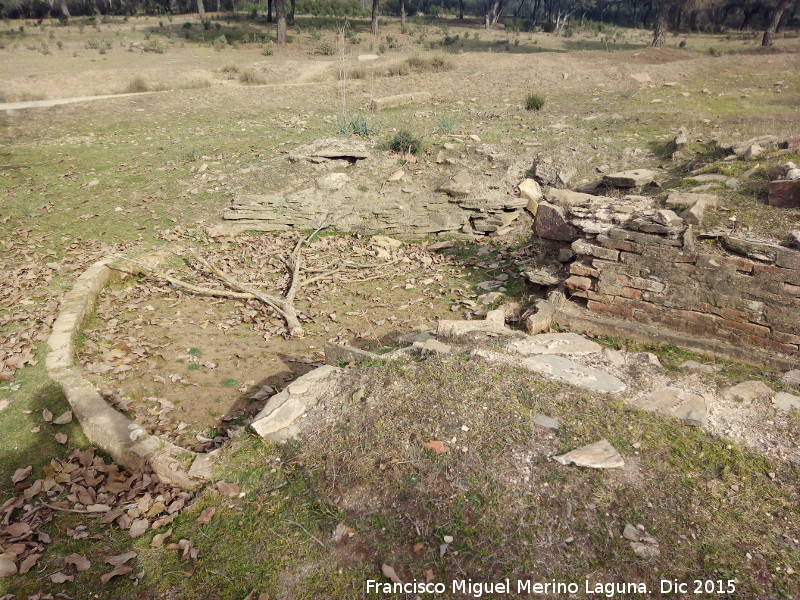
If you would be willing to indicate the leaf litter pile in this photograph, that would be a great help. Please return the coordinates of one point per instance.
(30, 267)
(155, 345)
(97, 493)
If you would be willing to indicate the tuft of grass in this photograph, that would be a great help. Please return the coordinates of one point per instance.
(534, 101)
(251, 77)
(434, 62)
(137, 85)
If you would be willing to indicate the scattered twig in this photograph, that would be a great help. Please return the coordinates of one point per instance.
(308, 533)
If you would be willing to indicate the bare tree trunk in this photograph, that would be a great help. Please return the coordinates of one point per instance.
(290, 18)
(375, 17)
(402, 13)
(201, 10)
(461, 9)
(280, 14)
(269, 11)
(774, 20)
(64, 9)
(98, 16)
(662, 23)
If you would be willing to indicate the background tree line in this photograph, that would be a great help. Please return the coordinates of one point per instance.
(770, 16)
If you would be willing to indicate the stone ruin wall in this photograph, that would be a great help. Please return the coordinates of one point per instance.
(733, 289)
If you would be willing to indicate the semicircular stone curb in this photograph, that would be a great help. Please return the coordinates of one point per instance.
(125, 441)
(281, 419)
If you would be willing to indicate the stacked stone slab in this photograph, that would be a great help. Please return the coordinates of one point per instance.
(742, 291)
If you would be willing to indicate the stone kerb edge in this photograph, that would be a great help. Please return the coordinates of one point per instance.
(125, 441)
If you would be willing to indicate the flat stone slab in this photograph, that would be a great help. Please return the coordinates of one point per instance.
(629, 179)
(278, 420)
(690, 408)
(600, 455)
(494, 324)
(747, 391)
(785, 402)
(554, 343)
(546, 422)
(561, 369)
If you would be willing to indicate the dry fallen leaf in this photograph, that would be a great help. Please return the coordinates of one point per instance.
(29, 562)
(61, 577)
(120, 559)
(16, 530)
(47, 416)
(120, 570)
(437, 447)
(7, 567)
(81, 562)
(206, 516)
(418, 547)
(21, 474)
(61, 438)
(429, 576)
(63, 419)
(228, 489)
(158, 539)
(390, 574)
(138, 527)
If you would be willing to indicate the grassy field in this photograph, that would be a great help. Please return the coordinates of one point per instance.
(148, 171)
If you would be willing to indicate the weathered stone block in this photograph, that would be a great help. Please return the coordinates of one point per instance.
(551, 224)
(784, 194)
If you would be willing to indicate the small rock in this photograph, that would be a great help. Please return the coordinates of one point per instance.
(565, 255)
(551, 223)
(385, 242)
(667, 218)
(332, 181)
(793, 174)
(785, 402)
(630, 179)
(792, 377)
(690, 408)
(532, 191)
(441, 246)
(545, 421)
(615, 357)
(489, 298)
(753, 151)
(693, 365)
(458, 186)
(600, 455)
(397, 175)
(631, 534)
(433, 347)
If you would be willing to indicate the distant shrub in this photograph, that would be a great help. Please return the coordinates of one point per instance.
(187, 25)
(220, 43)
(534, 102)
(268, 50)
(154, 46)
(404, 141)
(326, 49)
(358, 125)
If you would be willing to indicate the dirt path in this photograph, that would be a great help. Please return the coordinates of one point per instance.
(57, 101)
